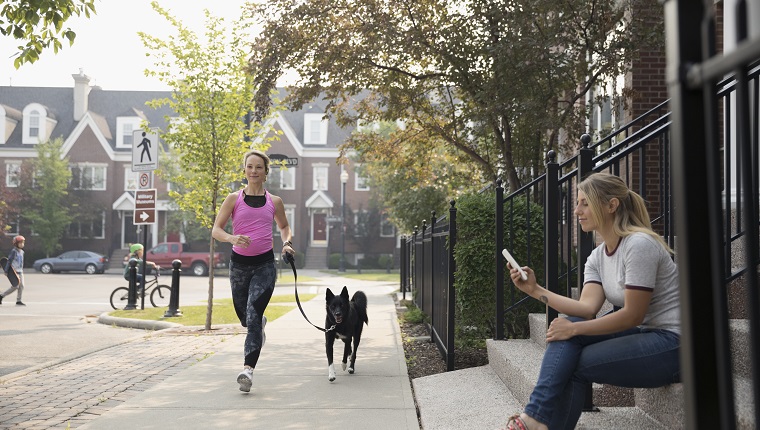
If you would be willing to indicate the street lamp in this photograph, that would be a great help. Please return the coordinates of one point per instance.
(343, 180)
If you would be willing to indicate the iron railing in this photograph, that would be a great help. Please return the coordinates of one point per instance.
(427, 272)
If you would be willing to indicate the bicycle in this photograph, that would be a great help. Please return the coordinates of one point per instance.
(159, 294)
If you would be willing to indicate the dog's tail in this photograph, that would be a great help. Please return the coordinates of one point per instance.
(360, 304)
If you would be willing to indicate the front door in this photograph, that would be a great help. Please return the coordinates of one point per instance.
(319, 229)
(130, 229)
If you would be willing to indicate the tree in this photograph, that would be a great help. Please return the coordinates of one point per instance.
(212, 93)
(46, 191)
(40, 24)
(495, 80)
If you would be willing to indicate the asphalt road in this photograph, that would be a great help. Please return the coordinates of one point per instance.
(61, 313)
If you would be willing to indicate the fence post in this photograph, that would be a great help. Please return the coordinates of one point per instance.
(499, 219)
(433, 294)
(413, 267)
(173, 310)
(551, 235)
(132, 295)
(585, 242)
(402, 266)
(450, 300)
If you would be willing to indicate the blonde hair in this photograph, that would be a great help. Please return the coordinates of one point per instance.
(631, 215)
(258, 153)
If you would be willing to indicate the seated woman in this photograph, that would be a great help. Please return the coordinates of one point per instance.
(638, 345)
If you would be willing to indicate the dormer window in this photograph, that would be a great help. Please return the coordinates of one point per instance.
(125, 128)
(34, 124)
(37, 125)
(315, 129)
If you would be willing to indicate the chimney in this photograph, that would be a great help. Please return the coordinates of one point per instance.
(81, 92)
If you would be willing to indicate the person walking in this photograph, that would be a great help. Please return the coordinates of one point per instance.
(635, 346)
(16, 263)
(252, 268)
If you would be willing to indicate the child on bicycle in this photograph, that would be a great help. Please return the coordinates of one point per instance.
(136, 254)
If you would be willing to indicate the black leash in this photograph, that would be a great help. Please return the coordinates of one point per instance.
(289, 259)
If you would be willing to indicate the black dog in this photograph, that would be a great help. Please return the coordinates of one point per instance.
(347, 317)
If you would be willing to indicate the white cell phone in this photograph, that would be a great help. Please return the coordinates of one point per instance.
(514, 264)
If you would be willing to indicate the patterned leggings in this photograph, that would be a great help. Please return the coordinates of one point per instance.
(252, 287)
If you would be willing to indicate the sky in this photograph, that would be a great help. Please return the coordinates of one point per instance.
(107, 47)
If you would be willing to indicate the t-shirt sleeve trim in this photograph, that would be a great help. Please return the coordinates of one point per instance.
(639, 288)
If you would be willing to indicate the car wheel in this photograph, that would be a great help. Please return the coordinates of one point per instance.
(199, 269)
(46, 268)
(91, 269)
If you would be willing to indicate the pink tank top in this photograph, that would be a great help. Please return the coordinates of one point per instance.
(255, 223)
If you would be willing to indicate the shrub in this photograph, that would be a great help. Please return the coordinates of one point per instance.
(475, 276)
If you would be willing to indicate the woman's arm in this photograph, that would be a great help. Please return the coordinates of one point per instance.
(590, 302)
(218, 232)
(282, 223)
(630, 315)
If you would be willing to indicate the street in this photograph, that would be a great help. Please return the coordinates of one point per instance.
(60, 318)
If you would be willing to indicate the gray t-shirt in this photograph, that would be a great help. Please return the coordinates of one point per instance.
(639, 262)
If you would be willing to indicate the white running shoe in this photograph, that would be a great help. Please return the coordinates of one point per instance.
(263, 333)
(244, 378)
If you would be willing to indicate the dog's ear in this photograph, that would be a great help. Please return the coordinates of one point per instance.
(329, 295)
(344, 293)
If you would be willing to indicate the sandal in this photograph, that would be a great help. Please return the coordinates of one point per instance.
(516, 423)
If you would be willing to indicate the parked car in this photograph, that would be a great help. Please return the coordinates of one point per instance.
(195, 262)
(86, 261)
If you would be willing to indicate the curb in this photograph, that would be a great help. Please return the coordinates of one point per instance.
(107, 319)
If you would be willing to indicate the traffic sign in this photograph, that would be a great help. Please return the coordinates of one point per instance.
(144, 216)
(144, 150)
(145, 207)
(144, 180)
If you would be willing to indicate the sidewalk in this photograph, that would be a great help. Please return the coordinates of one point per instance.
(169, 380)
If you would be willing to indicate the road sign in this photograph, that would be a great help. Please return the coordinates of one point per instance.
(281, 160)
(144, 150)
(145, 206)
(144, 180)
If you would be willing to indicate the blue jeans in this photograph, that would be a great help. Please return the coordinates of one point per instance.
(639, 358)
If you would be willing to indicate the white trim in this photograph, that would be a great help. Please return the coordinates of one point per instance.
(123, 121)
(319, 200)
(309, 119)
(88, 121)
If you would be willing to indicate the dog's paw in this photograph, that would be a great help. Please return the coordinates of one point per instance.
(331, 372)
(343, 365)
(351, 370)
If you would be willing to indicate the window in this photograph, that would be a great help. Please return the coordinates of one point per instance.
(12, 173)
(84, 229)
(13, 226)
(290, 211)
(34, 124)
(361, 182)
(285, 178)
(130, 179)
(315, 129)
(386, 228)
(88, 177)
(320, 177)
(125, 128)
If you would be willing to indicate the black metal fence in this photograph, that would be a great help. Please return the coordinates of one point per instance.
(716, 182)
(427, 273)
(638, 152)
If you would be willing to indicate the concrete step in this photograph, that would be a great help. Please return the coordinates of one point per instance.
(476, 398)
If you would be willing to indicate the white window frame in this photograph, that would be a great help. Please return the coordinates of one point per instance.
(12, 173)
(385, 223)
(79, 228)
(321, 177)
(315, 129)
(131, 179)
(13, 226)
(286, 176)
(290, 215)
(38, 112)
(126, 124)
(360, 182)
(82, 167)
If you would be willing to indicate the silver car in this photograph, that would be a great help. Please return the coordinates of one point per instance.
(86, 261)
